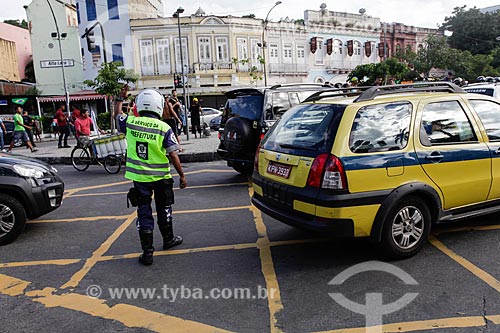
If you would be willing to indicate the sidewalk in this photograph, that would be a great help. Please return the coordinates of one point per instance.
(195, 150)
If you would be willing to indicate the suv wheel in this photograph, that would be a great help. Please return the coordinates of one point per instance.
(12, 219)
(237, 135)
(406, 228)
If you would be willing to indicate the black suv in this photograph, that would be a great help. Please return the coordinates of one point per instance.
(248, 115)
(28, 189)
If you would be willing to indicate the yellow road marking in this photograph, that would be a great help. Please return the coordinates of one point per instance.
(175, 189)
(128, 315)
(267, 267)
(89, 263)
(56, 262)
(423, 325)
(121, 217)
(183, 251)
(478, 272)
(82, 219)
(63, 262)
(471, 228)
(70, 192)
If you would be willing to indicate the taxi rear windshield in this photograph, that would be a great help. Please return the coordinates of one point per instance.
(306, 129)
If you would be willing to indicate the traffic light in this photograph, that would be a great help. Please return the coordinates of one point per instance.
(177, 81)
(90, 40)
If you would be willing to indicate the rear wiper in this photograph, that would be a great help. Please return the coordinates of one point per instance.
(286, 145)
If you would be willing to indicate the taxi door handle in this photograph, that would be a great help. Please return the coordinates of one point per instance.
(434, 156)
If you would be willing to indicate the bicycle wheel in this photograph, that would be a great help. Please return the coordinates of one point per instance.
(80, 158)
(112, 164)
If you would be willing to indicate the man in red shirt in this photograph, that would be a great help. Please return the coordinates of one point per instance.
(82, 128)
(62, 124)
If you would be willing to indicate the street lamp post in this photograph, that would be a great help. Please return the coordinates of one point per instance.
(177, 15)
(66, 94)
(264, 42)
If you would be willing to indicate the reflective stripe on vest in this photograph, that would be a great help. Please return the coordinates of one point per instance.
(146, 156)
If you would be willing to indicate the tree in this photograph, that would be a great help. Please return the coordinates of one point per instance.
(249, 16)
(368, 73)
(22, 24)
(110, 81)
(473, 30)
(29, 72)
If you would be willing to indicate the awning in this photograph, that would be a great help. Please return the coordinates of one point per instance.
(83, 97)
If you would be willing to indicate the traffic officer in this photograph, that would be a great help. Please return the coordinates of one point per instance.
(149, 140)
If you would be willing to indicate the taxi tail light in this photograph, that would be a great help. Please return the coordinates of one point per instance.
(256, 159)
(327, 172)
(262, 135)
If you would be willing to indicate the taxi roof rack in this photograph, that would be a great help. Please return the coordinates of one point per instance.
(285, 85)
(442, 86)
(337, 92)
(369, 93)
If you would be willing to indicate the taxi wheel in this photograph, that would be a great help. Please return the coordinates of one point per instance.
(406, 228)
(12, 219)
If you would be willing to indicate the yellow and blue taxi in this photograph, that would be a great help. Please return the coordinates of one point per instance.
(382, 162)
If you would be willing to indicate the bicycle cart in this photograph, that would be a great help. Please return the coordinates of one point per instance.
(109, 151)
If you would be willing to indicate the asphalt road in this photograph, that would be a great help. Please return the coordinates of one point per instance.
(231, 256)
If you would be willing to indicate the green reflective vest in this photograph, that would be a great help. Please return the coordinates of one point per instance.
(146, 156)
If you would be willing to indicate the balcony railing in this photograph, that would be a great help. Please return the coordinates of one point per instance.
(212, 66)
(288, 69)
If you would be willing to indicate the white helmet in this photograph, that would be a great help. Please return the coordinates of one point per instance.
(150, 100)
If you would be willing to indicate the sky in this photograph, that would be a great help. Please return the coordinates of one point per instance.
(421, 13)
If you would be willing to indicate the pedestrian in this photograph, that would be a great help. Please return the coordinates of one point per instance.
(150, 140)
(75, 114)
(28, 121)
(170, 117)
(2, 131)
(20, 131)
(62, 127)
(196, 112)
(177, 106)
(37, 128)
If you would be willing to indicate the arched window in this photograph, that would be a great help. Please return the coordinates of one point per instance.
(337, 46)
(398, 48)
(357, 48)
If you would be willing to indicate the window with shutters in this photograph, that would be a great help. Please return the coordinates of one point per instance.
(204, 49)
(273, 53)
(147, 56)
(221, 46)
(163, 56)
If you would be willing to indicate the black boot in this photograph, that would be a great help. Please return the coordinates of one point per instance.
(146, 236)
(169, 240)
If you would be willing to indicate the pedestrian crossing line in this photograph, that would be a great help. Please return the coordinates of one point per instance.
(175, 189)
(267, 266)
(478, 272)
(90, 262)
(128, 315)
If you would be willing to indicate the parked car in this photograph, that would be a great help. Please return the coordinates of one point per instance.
(388, 163)
(9, 126)
(215, 123)
(248, 115)
(484, 88)
(208, 115)
(28, 189)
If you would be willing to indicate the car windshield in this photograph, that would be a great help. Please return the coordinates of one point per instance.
(248, 106)
(305, 129)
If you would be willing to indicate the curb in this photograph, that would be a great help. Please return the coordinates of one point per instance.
(185, 158)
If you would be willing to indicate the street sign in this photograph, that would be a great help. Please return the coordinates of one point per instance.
(56, 63)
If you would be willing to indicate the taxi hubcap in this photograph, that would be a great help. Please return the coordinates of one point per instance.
(7, 219)
(407, 227)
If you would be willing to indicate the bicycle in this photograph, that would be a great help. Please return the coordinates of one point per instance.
(81, 159)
